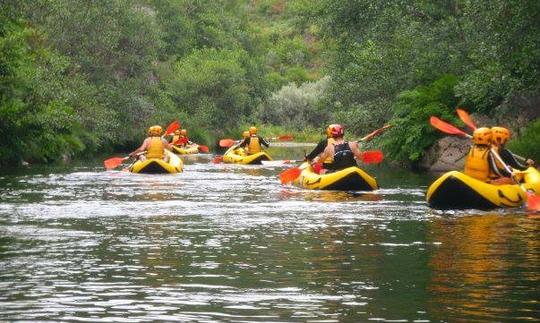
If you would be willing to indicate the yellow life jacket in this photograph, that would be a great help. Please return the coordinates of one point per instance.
(477, 163)
(155, 149)
(254, 145)
(330, 159)
(240, 151)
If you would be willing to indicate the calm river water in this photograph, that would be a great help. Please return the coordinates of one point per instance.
(229, 243)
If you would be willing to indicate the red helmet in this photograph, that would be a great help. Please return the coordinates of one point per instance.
(337, 130)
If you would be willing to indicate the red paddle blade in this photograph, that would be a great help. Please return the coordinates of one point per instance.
(181, 141)
(226, 143)
(446, 127)
(286, 137)
(113, 162)
(289, 175)
(204, 148)
(466, 118)
(175, 125)
(533, 202)
(218, 159)
(372, 157)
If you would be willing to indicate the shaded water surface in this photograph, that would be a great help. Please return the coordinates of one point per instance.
(229, 243)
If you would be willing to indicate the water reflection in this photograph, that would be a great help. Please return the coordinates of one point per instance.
(484, 266)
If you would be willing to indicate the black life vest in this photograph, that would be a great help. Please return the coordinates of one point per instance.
(343, 156)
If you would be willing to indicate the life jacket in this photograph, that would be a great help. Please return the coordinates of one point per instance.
(174, 139)
(477, 163)
(254, 145)
(343, 156)
(156, 148)
(240, 151)
(329, 160)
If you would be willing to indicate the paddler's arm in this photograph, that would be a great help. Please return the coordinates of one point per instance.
(264, 142)
(317, 150)
(142, 148)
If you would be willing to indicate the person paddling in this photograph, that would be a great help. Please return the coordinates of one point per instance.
(253, 142)
(154, 145)
(480, 162)
(320, 148)
(340, 152)
(500, 138)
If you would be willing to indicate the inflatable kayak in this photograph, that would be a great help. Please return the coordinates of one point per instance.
(187, 150)
(158, 166)
(455, 190)
(236, 155)
(348, 179)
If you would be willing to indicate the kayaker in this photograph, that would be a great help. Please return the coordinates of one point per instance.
(480, 162)
(154, 145)
(183, 139)
(253, 142)
(176, 136)
(500, 138)
(341, 152)
(320, 148)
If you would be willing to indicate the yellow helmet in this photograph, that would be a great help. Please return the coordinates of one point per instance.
(183, 132)
(252, 130)
(155, 131)
(245, 134)
(329, 130)
(500, 135)
(482, 136)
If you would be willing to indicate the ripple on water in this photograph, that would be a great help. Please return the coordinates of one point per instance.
(229, 243)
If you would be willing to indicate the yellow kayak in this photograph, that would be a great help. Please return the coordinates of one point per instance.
(158, 166)
(236, 155)
(455, 190)
(187, 150)
(348, 179)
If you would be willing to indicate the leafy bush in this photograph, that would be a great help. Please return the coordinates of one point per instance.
(411, 133)
(297, 107)
(526, 144)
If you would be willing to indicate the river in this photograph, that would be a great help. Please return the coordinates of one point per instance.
(229, 243)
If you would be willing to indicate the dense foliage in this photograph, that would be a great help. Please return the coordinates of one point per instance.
(390, 53)
(81, 76)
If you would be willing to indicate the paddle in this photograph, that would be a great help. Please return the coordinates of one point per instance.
(114, 162)
(204, 149)
(466, 118)
(287, 137)
(175, 125)
(226, 143)
(371, 135)
(533, 201)
(446, 127)
(218, 159)
(368, 157)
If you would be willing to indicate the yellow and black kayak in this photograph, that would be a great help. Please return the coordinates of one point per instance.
(455, 190)
(348, 179)
(158, 166)
(236, 155)
(187, 150)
